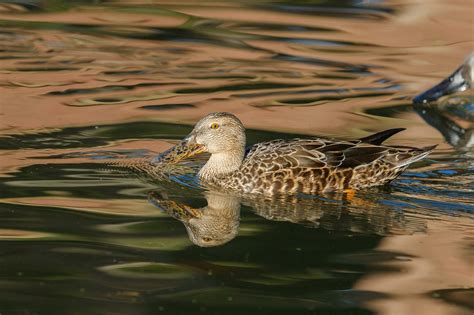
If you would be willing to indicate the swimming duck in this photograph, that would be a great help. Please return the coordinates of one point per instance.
(453, 116)
(309, 166)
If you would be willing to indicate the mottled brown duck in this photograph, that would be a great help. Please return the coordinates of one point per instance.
(309, 166)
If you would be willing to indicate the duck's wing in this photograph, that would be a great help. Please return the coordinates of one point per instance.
(282, 154)
(327, 153)
(363, 154)
(379, 137)
(296, 153)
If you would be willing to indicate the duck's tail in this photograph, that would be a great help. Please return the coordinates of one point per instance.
(415, 155)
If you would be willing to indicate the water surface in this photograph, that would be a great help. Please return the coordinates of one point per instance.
(86, 82)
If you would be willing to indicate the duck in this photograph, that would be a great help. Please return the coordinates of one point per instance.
(301, 165)
(449, 106)
(460, 80)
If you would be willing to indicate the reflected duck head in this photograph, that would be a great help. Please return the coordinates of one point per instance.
(219, 222)
(213, 225)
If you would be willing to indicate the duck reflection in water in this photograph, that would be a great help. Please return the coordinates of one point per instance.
(449, 106)
(212, 225)
(218, 223)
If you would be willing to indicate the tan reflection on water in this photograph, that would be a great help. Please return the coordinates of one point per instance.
(8, 234)
(439, 259)
(115, 207)
(13, 160)
(413, 41)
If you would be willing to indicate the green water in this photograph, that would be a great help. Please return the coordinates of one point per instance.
(87, 82)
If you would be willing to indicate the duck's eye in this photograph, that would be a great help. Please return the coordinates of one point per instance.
(214, 125)
(207, 239)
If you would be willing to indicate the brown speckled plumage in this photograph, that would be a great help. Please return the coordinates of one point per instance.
(290, 166)
(316, 165)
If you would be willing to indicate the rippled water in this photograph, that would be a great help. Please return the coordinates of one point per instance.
(86, 82)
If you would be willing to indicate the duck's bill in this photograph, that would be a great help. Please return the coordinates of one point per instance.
(453, 84)
(183, 150)
(173, 208)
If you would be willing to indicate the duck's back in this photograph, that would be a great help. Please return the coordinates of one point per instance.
(320, 165)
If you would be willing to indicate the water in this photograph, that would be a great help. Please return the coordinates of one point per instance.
(85, 82)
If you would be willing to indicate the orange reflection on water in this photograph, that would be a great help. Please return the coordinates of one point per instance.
(130, 207)
(439, 259)
(412, 47)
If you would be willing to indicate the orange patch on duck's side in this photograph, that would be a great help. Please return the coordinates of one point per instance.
(350, 193)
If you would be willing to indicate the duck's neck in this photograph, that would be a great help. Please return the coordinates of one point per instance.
(222, 164)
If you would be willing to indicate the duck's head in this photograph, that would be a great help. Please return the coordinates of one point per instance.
(460, 80)
(217, 133)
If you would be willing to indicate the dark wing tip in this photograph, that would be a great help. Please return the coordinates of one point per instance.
(380, 137)
(429, 148)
